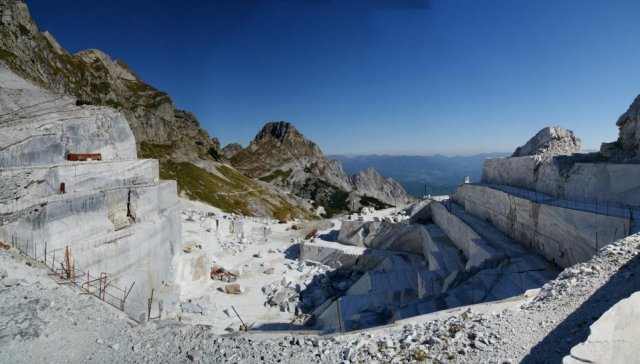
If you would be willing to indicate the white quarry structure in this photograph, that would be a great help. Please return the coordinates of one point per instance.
(108, 225)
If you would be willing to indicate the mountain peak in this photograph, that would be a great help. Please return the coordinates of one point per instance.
(279, 130)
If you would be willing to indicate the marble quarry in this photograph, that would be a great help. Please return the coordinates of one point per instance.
(109, 225)
(533, 214)
(455, 266)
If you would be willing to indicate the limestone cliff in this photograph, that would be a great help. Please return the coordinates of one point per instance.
(607, 178)
(282, 156)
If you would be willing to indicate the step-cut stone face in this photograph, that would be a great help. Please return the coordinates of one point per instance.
(24, 184)
(110, 216)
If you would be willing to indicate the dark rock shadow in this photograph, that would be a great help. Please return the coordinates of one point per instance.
(575, 328)
(330, 236)
(292, 252)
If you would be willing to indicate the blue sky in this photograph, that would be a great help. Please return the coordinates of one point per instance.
(375, 76)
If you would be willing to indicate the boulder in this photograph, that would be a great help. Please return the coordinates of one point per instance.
(234, 288)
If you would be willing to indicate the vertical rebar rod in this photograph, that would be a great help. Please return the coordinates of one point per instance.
(246, 328)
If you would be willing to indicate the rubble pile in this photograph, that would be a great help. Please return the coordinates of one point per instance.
(317, 284)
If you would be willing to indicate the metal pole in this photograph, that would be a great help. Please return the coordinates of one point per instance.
(246, 328)
(149, 306)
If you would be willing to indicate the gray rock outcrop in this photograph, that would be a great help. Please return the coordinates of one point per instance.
(550, 141)
(370, 183)
(93, 76)
(627, 147)
(231, 149)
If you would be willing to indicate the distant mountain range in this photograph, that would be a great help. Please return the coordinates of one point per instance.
(440, 174)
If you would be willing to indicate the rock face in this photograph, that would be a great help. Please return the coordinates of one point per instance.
(627, 147)
(607, 177)
(282, 156)
(109, 215)
(370, 183)
(549, 142)
(231, 149)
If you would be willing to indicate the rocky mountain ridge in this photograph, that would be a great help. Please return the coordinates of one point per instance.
(281, 155)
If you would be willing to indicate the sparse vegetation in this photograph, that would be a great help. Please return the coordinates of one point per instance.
(202, 185)
(419, 355)
(6, 55)
(231, 192)
(114, 104)
(373, 202)
(332, 198)
(155, 151)
(23, 30)
(101, 87)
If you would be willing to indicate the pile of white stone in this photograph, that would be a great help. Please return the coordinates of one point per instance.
(236, 245)
(286, 293)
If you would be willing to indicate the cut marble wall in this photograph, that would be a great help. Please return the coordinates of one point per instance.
(32, 183)
(616, 184)
(115, 216)
(563, 236)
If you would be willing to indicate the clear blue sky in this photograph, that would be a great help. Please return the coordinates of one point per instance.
(375, 76)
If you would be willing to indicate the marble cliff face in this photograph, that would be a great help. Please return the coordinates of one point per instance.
(107, 212)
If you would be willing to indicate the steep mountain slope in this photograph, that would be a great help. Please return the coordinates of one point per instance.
(186, 152)
(281, 155)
